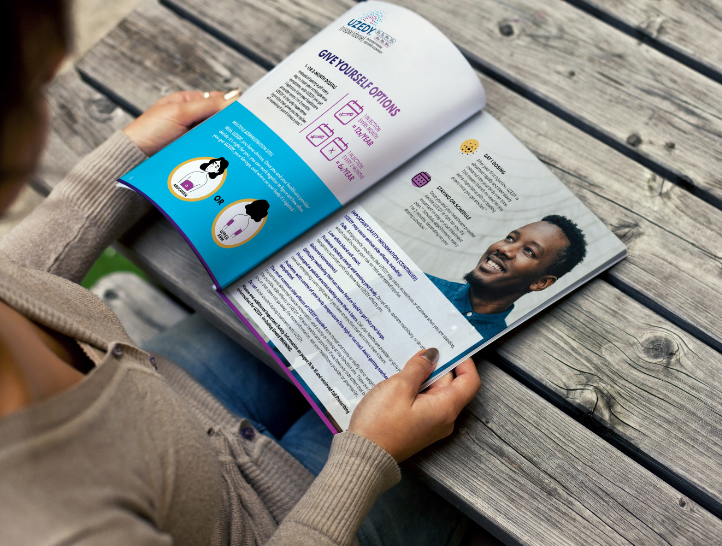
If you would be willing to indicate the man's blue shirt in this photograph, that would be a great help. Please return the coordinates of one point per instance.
(458, 294)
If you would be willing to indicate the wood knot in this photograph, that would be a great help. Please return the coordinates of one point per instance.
(597, 402)
(660, 349)
(67, 113)
(100, 109)
(505, 29)
(627, 231)
(670, 145)
(634, 140)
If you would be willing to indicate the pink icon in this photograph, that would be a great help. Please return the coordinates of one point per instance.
(187, 185)
(319, 135)
(348, 112)
(334, 148)
(421, 179)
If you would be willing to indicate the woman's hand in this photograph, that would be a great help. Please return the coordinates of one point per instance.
(172, 116)
(395, 416)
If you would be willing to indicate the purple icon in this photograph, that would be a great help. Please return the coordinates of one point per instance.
(187, 185)
(334, 148)
(421, 179)
(319, 135)
(348, 112)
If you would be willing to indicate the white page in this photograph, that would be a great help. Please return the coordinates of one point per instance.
(347, 308)
(412, 86)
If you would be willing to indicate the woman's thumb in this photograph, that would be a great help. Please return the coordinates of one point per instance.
(418, 369)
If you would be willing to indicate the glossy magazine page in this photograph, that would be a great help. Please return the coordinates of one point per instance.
(460, 244)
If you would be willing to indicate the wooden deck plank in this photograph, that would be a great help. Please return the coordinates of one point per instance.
(292, 23)
(511, 462)
(81, 120)
(660, 224)
(159, 53)
(627, 93)
(642, 100)
(655, 388)
(693, 29)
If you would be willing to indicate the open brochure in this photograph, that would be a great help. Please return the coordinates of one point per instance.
(357, 204)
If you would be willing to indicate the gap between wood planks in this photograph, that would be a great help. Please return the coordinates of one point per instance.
(639, 34)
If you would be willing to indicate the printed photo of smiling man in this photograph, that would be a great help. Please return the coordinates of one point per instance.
(529, 259)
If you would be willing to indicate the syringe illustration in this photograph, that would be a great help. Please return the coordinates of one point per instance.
(319, 135)
(348, 112)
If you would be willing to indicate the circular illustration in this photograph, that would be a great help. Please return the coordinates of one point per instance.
(470, 146)
(198, 178)
(239, 222)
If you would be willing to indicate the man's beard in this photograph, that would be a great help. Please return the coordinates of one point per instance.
(477, 285)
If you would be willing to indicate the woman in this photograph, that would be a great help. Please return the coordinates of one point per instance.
(209, 170)
(97, 446)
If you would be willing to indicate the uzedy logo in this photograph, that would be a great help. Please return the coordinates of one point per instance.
(368, 23)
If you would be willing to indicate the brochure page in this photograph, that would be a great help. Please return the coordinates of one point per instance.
(454, 248)
(352, 104)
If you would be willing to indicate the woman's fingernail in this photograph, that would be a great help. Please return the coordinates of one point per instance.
(232, 94)
(432, 355)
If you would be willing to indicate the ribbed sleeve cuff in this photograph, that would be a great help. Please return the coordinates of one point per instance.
(90, 186)
(340, 498)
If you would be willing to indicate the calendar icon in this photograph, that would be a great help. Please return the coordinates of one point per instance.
(319, 135)
(348, 112)
(334, 148)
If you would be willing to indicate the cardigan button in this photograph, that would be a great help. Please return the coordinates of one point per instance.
(469, 314)
(248, 432)
(117, 351)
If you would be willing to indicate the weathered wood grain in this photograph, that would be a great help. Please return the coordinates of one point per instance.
(160, 53)
(532, 475)
(644, 380)
(81, 119)
(292, 23)
(692, 29)
(672, 236)
(675, 253)
(628, 93)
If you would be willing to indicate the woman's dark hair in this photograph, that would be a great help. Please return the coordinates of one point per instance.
(17, 17)
(224, 166)
(257, 210)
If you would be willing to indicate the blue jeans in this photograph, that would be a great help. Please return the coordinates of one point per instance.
(408, 513)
